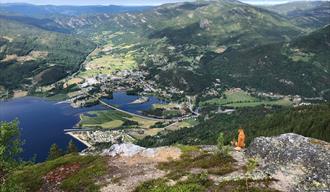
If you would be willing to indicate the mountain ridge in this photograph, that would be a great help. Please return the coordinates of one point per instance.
(187, 45)
(307, 14)
(26, 9)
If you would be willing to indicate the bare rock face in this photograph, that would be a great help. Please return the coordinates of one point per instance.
(131, 151)
(134, 165)
(298, 163)
(126, 149)
(204, 24)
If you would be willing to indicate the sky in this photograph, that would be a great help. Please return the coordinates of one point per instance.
(124, 2)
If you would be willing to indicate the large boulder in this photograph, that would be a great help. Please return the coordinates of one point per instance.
(299, 163)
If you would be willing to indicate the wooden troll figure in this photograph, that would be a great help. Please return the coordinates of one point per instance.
(241, 139)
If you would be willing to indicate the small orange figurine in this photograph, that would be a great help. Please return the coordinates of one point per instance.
(241, 139)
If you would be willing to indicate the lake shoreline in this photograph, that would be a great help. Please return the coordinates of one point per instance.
(49, 119)
(88, 145)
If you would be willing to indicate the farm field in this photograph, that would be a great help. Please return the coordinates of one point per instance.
(165, 106)
(240, 98)
(183, 124)
(108, 64)
(281, 102)
(111, 119)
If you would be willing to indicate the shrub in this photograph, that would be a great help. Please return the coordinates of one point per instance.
(223, 149)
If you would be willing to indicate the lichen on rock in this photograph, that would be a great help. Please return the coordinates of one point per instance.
(298, 163)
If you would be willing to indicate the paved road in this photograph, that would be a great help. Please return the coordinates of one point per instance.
(82, 65)
(146, 117)
(78, 129)
(133, 114)
(137, 115)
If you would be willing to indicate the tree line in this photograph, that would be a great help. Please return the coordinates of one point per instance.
(310, 121)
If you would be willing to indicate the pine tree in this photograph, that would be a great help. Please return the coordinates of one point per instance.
(54, 152)
(71, 147)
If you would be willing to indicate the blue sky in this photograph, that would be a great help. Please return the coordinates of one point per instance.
(124, 2)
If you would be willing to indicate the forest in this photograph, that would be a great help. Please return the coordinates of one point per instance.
(310, 121)
(37, 55)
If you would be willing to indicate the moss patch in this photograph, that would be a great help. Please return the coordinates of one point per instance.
(192, 158)
(244, 186)
(195, 183)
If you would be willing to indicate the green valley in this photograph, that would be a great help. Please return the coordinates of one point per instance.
(31, 56)
(197, 96)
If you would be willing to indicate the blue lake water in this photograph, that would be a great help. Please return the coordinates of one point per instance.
(42, 121)
(124, 102)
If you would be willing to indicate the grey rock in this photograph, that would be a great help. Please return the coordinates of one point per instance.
(303, 163)
(126, 149)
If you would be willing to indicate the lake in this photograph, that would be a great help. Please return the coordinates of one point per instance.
(123, 101)
(43, 121)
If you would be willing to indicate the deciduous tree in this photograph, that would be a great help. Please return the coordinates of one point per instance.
(10, 143)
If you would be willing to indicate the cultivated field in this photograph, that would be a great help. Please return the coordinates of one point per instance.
(111, 119)
(240, 98)
(108, 64)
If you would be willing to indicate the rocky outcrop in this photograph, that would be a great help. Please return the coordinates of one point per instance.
(133, 165)
(131, 150)
(125, 149)
(298, 163)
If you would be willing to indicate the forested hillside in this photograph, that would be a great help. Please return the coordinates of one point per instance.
(223, 22)
(175, 42)
(42, 23)
(193, 47)
(45, 11)
(310, 121)
(297, 67)
(156, 97)
(307, 14)
(30, 55)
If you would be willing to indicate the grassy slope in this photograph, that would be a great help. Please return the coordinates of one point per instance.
(63, 54)
(180, 177)
(30, 177)
(93, 170)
